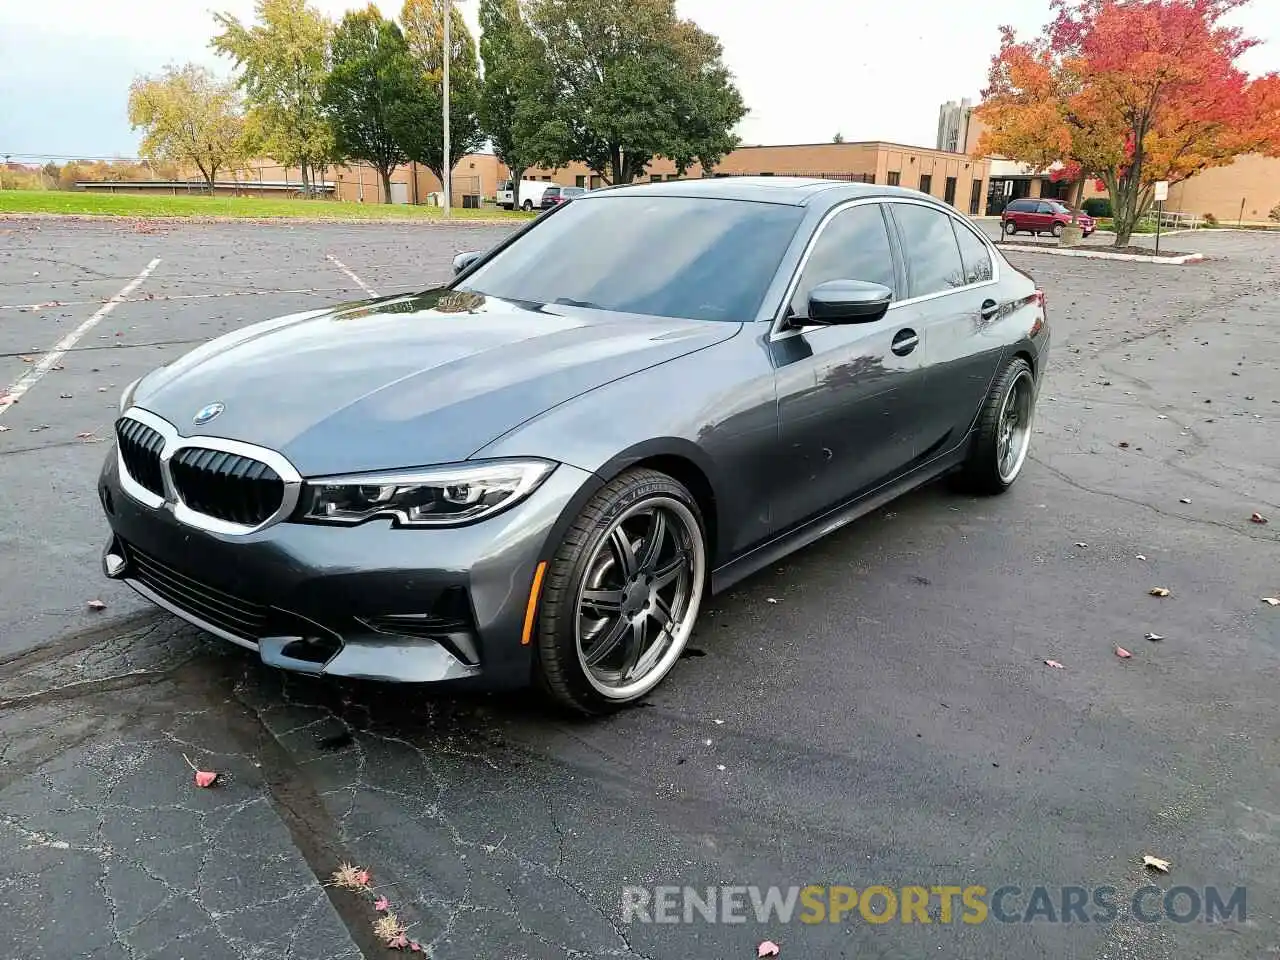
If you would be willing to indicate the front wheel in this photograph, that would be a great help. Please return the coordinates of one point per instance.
(1010, 227)
(622, 593)
(1003, 433)
(1057, 230)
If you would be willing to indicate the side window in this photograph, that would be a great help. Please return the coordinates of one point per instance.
(933, 256)
(853, 246)
(973, 254)
(1045, 208)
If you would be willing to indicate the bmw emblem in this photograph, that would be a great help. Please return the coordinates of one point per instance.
(207, 413)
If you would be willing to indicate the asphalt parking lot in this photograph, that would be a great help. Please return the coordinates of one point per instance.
(875, 710)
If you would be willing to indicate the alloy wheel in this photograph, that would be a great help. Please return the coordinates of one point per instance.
(1013, 433)
(639, 598)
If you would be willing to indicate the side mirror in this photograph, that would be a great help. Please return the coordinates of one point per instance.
(848, 301)
(464, 260)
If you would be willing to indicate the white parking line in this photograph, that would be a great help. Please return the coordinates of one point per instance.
(50, 359)
(352, 274)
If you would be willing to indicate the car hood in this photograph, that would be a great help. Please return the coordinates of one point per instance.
(407, 381)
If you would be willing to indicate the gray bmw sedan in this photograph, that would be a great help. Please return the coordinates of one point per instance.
(539, 471)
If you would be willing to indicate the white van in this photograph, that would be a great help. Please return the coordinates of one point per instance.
(531, 192)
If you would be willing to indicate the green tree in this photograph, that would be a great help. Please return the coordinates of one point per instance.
(373, 82)
(283, 58)
(189, 116)
(418, 121)
(516, 91)
(631, 82)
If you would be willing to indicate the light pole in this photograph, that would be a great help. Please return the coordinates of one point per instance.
(447, 51)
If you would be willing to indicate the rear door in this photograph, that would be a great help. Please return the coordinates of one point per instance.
(953, 301)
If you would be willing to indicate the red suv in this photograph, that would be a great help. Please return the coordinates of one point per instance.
(1042, 216)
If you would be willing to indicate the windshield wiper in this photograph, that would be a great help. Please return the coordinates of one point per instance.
(568, 302)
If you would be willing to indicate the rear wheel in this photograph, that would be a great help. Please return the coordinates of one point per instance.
(527, 206)
(1003, 433)
(622, 593)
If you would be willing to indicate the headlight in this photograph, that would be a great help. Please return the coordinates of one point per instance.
(431, 497)
(126, 398)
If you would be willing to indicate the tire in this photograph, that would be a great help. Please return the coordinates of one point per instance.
(1057, 230)
(598, 608)
(1010, 228)
(527, 206)
(989, 468)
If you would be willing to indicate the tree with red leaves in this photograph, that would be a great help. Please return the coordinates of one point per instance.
(1131, 92)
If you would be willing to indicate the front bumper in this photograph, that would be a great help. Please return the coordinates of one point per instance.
(369, 601)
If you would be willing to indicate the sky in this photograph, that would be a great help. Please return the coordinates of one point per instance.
(808, 69)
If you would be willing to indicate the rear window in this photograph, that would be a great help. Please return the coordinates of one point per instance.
(552, 192)
(695, 257)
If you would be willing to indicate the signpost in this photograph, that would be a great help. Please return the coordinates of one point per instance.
(1161, 195)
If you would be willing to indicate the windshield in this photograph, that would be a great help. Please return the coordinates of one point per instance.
(664, 256)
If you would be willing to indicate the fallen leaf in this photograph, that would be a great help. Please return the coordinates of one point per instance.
(1159, 592)
(767, 948)
(363, 878)
(717, 722)
(1122, 653)
(3, 429)
(1257, 518)
(1154, 637)
(38, 427)
(770, 600)
(203, 778)
(1055, 664)
(720, 767)
(1124, 444)
(1162, 417)
(64, 396)
(415, 946)
(381, 904)
(398, 942)
(1155, 863)
(88, 437)
(1271, 601)
(96, 605)
(388, 927)
(27, 359)
(1140, 557)
(1081, 544)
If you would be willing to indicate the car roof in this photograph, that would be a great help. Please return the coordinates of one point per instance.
(792, 191)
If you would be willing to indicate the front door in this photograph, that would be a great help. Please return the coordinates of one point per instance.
(845, 392)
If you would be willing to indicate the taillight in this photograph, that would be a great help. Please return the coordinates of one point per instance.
(1038, 324)
(1039, 295)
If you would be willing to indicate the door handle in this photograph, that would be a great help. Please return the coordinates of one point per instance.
(904, 341)
(989, 309)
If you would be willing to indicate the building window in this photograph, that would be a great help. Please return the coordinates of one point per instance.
(926, 183)
(655, 178)
(895, 177)
(673, 176)
(768, 174)
(579, 181)
(975, 198)
(949, 191)
(596, 182)
(547, 179)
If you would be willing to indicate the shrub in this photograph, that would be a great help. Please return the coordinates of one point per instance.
(1275, 213)
(1210, 220)
(1098, 206)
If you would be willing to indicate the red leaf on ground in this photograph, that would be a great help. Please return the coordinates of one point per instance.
(1055, 664)
(205, 778)
(767, 948)
(381, 904)
(363, 878)
(1257, 518)
(96, 605)
(1122, 653)
(398, 942)
(415, 946)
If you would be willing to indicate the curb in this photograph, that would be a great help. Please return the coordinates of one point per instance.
(1100, 255)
